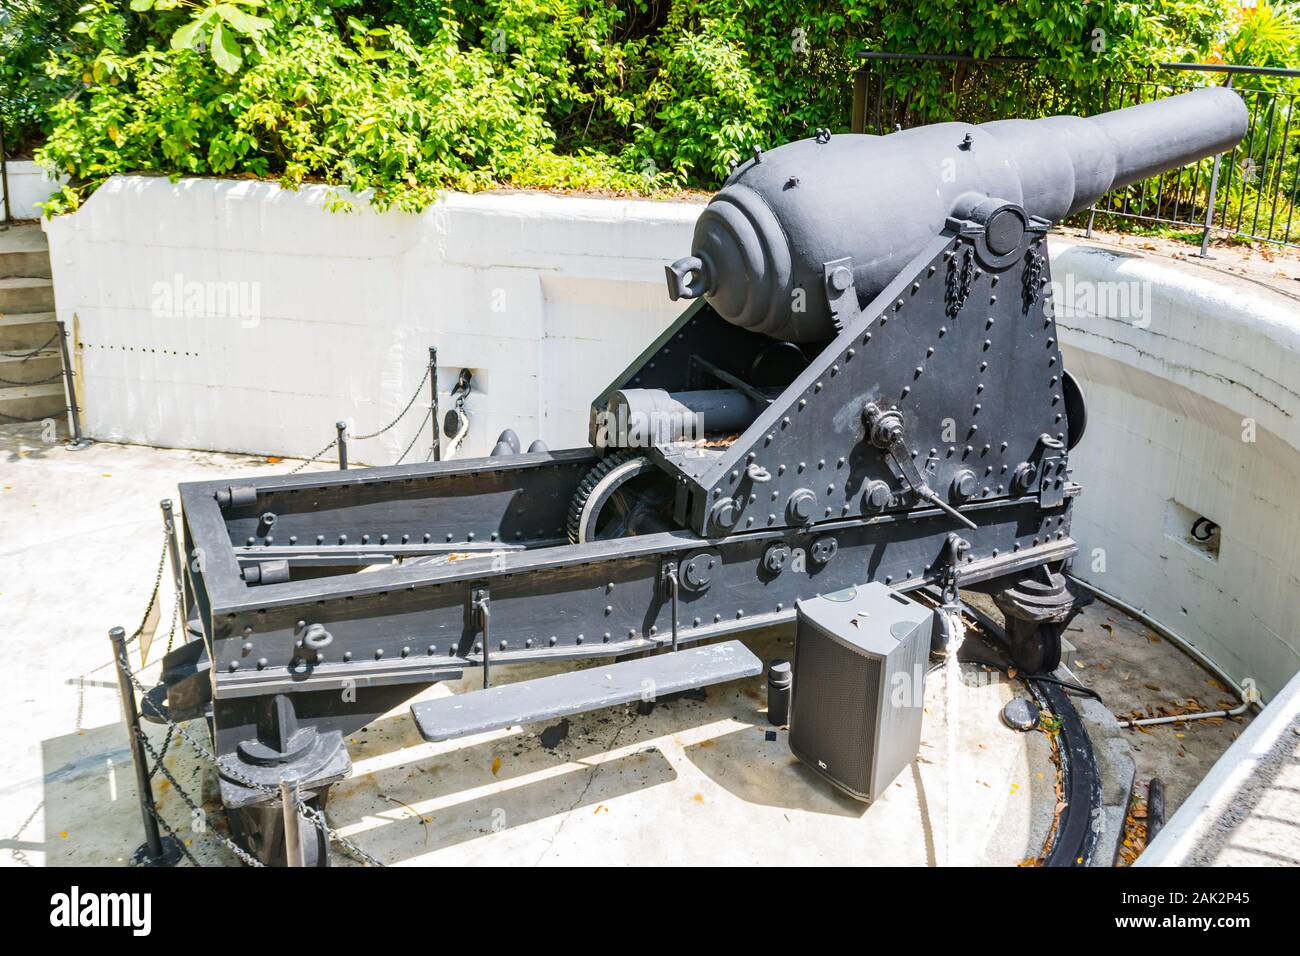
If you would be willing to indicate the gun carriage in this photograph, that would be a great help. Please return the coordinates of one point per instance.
(867, 387)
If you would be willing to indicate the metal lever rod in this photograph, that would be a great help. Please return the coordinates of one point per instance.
(912, 475)
(929, 495)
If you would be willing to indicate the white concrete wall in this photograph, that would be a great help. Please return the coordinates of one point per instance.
(1171, 395)
(547, 298)
(29, 185)
(239, 316)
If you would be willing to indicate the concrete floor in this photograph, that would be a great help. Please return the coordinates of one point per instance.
(1139, 674)
(702, 779)
(1246, 812)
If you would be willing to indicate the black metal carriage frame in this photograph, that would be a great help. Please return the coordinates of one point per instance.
(291, 651)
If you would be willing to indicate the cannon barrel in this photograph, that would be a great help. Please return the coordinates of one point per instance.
(760, 246)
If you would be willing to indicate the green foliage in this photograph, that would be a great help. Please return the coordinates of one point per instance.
(403, 97)
(1268, 35)
(29, 30)
(215, 26)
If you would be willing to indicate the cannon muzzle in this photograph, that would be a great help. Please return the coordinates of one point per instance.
(761, 245)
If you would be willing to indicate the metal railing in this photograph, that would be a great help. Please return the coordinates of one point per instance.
(1250, 192)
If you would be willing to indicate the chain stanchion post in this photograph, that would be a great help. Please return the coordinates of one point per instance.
(174, 549)
(79, 441)
(435, 424)
(153, 852)
(342, 429)
(292, 835)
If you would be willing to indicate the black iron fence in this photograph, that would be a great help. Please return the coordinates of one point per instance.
(1250, 192)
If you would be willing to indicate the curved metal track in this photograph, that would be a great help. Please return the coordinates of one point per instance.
(1076, 838)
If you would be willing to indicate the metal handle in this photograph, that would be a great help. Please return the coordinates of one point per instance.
(688, 278)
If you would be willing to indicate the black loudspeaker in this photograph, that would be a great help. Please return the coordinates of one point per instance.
(859, 686)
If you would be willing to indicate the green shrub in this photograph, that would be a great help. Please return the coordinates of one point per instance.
(404, 97)
(29, 30)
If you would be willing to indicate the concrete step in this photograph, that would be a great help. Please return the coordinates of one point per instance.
(26, 294)
(24, 252)
(18, 393)
(45, 368)
(15, 319)
(24, 331)
(32, 356)
(30, 403)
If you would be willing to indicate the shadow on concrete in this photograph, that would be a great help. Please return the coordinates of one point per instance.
(417, 831)
(762, 771)
(91, 813)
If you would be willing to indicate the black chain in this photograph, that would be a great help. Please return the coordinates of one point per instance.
(38, 381)
(230, 844)
(400, 415)
(167, 742)
(314, 457)
(19, 856)
(171, 632)
(185, 850)
(1032, 277)
(414, 395)
(416, 437)
(153, 598)
(36, 351)
(958, 284)
(312, 815)
(174, 729)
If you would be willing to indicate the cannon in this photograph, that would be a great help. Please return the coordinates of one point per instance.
(867, 386)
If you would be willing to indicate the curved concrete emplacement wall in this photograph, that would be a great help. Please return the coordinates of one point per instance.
(239, 316)
(1193, 384)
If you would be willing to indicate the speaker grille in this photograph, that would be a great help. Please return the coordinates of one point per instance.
(836, 697)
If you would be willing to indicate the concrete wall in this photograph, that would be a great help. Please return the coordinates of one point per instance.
(1193, 401)
(238, 316)
(29, 185)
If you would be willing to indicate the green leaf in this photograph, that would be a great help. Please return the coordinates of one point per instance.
(241, 21)
(225, 50)
(140, 6)
(187, 36)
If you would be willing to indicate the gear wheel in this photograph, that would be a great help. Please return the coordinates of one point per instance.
(605, 483)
